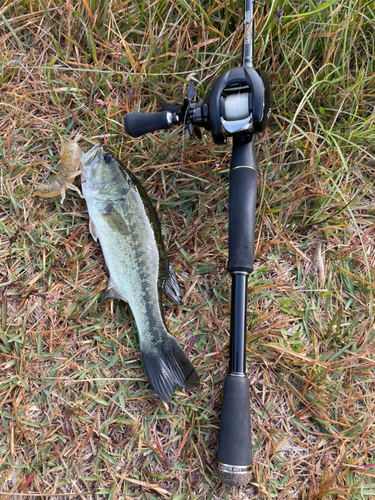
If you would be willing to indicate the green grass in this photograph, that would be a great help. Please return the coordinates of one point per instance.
(78, 418)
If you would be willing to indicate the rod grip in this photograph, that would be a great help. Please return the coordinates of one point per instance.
(242, 206)
(234, 455)
(137, 124)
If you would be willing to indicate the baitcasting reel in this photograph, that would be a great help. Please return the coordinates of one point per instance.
(239, 103)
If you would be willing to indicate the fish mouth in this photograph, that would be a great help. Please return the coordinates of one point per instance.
(90, 155)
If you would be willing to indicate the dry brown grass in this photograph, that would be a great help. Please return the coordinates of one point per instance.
(78, 417)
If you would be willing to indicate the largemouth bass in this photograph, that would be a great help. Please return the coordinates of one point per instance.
(125, 222)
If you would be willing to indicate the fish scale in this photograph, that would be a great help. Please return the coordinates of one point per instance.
(124, 221)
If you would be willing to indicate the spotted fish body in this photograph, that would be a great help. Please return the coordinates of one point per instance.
(123, 219)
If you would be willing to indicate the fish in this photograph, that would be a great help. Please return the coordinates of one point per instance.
(69, 168)
(127, 226)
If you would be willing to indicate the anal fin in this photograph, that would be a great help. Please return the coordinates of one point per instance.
(170, 284)
(112, 293)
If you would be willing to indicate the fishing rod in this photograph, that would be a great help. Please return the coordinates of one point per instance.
(238, 106)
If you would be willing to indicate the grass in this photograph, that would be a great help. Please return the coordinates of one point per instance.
(78, 417)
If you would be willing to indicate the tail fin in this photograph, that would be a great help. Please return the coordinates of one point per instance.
(167, 367)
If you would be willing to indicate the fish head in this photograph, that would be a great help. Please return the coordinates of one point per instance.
(100, 169)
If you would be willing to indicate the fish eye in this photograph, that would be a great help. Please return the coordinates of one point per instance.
(108, 158)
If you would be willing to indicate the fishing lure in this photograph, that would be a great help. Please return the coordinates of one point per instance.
(70, 167)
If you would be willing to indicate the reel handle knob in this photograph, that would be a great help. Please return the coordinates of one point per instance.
(137, 124)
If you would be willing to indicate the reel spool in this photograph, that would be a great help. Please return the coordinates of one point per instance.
(240, 101)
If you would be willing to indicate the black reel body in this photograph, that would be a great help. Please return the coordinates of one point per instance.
(240, 101)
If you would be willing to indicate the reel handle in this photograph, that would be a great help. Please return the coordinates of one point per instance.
(137, 124)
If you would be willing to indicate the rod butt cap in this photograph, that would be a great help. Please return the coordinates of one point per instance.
(234, 478)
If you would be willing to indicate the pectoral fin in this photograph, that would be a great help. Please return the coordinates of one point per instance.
(115, 220)
(93, 230)
(170, 284)
(113, 293)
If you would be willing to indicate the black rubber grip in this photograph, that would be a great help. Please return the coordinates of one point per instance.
(235, 448)
(137, 124)
(242, 206)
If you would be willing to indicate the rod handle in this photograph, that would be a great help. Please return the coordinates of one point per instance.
(137, 124)
(234, 456)
(242, 207)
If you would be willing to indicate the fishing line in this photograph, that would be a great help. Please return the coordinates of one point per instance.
(183, 142)
(50, 170)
